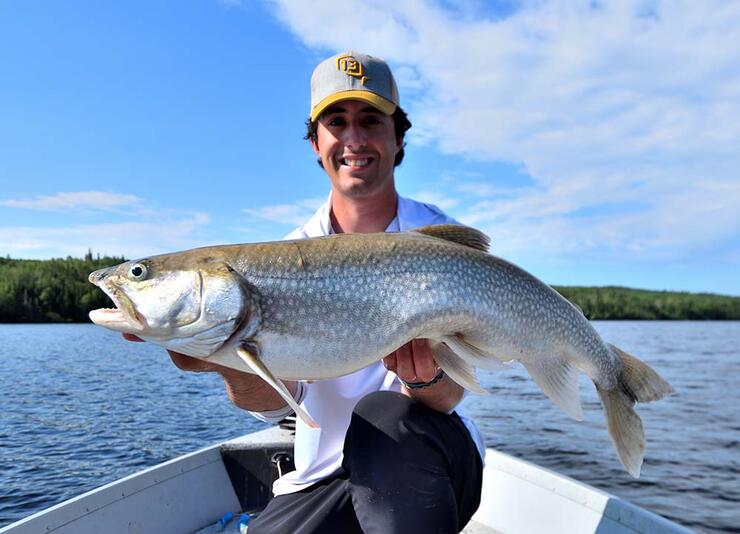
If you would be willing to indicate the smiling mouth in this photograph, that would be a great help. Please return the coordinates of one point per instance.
(356, 163)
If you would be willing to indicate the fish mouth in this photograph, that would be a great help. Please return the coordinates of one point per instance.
(124, 317)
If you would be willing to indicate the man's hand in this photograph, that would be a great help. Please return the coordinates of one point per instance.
(245, 390)
(414, 362)
(188, 363)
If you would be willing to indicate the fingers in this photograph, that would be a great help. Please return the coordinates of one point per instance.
(405, 363)
(390, 362)
(424, 364)
(182, 361)
(413, 362)
(188, 363)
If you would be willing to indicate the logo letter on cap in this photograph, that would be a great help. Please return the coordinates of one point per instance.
(351, 67)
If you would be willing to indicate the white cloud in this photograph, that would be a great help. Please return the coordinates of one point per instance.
(131, 239)
(294, 214)
(441, 200)
(485, 189)
(128, 225)
(628, 103)
(96, 200)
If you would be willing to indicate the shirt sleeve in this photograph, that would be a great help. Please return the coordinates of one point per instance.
(275, 416)
(298, 233)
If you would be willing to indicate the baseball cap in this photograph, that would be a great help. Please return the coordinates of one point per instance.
(353, 76)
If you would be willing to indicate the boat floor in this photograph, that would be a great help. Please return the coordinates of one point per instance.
(473, 527)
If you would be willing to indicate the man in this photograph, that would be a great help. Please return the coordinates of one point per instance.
(390, 455)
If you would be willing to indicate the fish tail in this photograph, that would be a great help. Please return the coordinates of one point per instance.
(637, 382)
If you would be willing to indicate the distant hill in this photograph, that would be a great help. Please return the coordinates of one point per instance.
(613, 302)
(51, 291)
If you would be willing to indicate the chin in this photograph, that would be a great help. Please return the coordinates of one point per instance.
(361, 189)
(362, 186)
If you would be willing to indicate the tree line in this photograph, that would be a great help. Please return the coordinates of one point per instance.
(57, 290)
(611, 302)
(51, 291)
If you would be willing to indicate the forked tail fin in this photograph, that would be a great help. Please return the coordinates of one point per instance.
(637, 382)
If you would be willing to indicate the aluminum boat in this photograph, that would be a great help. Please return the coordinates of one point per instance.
(191, 493)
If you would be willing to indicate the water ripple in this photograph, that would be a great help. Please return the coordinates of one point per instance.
(81, 407)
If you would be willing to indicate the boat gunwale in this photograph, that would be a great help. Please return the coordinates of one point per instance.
(597, 501)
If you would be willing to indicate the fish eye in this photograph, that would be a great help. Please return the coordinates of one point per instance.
(137, 271)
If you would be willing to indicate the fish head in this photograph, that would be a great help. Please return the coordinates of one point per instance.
(185, 303)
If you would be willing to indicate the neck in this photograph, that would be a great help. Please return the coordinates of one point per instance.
(363, 215)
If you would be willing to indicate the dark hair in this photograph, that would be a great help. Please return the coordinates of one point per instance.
(401, 124)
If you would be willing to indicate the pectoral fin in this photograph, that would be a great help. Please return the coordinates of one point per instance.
(261, 370)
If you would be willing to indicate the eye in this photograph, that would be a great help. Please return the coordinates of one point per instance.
(336, 121)
(371, 120)
(137, 271)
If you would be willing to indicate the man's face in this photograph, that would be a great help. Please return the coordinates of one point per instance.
(357, 146)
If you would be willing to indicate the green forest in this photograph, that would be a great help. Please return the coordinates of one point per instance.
(603, 303)
(50, 291)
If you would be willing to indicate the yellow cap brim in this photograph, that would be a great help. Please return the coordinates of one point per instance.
(384, 105)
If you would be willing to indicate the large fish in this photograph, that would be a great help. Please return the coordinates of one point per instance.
(326, 307)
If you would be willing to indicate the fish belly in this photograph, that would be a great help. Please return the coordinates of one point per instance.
(321, 328)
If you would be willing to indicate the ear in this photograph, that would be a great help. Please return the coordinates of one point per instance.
(399, 145)
(315, 146)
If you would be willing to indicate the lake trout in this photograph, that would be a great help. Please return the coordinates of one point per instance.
(325, 307)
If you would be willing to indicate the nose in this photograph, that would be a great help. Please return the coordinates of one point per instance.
(354, 135)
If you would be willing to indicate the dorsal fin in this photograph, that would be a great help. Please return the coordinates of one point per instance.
(457, 233)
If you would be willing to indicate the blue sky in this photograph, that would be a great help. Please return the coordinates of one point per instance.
(596, 143)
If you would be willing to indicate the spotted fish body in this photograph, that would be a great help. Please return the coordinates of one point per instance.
(323, 300)
(326, 307)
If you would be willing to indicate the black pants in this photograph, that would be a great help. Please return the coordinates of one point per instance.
(407, 468)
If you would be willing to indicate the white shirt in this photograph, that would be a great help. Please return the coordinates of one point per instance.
(318, 451)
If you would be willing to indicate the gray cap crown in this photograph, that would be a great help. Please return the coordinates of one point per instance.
(353, 76)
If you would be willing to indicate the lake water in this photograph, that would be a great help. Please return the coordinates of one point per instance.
(81, 407)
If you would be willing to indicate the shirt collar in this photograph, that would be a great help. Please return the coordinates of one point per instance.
(320, 223)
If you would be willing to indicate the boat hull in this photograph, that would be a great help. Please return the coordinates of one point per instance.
(195, 490)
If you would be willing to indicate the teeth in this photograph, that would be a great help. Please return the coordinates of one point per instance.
(355, 162)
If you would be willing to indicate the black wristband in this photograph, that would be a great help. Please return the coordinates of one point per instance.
(422, 385)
